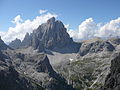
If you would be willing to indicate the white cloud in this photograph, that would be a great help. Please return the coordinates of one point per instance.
(2, 33)
(17, 19)
(89, 29)
(73, 33)
(21, 27)
(42, 11)
(67, 26)
(112, 29)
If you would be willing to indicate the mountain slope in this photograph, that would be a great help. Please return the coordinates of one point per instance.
(92, 65)
(28, 71)
(112, 81)
(37, 67)
(10, 79)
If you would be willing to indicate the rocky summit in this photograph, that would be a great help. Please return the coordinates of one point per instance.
(15, 44)
(49, 35)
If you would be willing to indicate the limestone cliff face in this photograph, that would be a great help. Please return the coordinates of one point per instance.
(95, 47)
(112, 81)
(49, 35)
(27, 40)
(43, 65)
(52, 34)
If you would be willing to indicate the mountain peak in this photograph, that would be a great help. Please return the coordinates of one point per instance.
(27, 34)
(51, 20)
(15, 44)
(17, 39)
(49, 35)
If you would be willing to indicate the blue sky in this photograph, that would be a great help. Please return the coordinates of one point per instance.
(85, 19)
(71, 12)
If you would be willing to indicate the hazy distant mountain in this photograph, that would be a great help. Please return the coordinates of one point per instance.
(15, 44)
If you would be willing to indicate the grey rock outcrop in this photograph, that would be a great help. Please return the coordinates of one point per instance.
(15, 44)
(3, 46)
(27, 40)
(95, 47)
(10, 79)
(112, 81)
(44, 65)
(38, 68)
(115, 41)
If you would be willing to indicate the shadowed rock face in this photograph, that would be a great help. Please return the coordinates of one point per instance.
(10, 79)
(3, 46)
(112, 81)
(2, 56)
(44, 65)
(27, 40)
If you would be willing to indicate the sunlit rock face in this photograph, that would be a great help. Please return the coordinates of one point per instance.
(95, 47)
